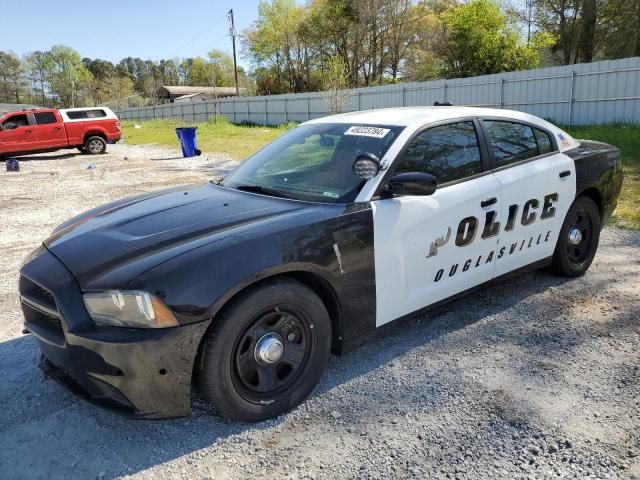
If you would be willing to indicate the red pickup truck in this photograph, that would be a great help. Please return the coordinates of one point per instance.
(47, 130)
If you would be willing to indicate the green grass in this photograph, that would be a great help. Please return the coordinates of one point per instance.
(627, 138)
(219, 136)
(239, 141)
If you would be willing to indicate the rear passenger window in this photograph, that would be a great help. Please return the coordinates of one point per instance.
(512, 142)
(45, 118)
(449, 152)
(82, 114)
(544, 141)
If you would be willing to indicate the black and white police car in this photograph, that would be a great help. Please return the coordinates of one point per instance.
(343, 225)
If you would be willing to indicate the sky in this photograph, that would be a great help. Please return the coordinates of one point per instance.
(115, 29)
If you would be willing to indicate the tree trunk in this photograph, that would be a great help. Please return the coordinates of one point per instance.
(588, 32)
(637, 49)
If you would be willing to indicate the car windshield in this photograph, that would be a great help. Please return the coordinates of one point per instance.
(313, 162)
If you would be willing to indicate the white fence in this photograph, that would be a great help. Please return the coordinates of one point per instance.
(582, 94)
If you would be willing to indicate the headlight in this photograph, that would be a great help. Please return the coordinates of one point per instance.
(128, 309)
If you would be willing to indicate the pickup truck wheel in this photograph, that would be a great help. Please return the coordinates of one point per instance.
(578, 239)
(95, 145)
(265, 352)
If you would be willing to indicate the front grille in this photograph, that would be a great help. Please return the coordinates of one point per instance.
(41, 311)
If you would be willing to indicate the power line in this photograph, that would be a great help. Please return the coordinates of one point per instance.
(198, 36)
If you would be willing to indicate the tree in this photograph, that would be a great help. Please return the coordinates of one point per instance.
(221, 67)
(335, 80)
(115, 89)
(275, 40)
(424, 57)
(11, 77)
(480, 41)
(196, 72)
(37, 71)
(68, 77)
(560, 18)
(587, 38)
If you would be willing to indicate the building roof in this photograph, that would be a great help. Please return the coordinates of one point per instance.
(180, 90)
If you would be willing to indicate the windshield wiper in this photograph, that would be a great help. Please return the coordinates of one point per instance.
(263, 190)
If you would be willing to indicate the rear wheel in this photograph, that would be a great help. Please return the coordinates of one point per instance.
(95, 145)
(578, 241)
(266, 351)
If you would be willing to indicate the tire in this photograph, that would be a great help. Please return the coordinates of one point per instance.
(575, 252)
(95, 145)
(246, 386)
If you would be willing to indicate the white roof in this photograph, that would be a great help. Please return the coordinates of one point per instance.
(418, 116)
(65, 117)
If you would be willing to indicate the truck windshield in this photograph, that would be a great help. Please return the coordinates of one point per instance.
(313, 162)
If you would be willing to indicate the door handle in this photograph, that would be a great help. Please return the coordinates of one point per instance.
(565, 174)
(55, 129)
(488, 202)
(28, 131)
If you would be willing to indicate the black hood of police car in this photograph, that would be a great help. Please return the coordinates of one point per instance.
(114, 243)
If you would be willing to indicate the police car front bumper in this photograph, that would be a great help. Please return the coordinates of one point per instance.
(145, 373)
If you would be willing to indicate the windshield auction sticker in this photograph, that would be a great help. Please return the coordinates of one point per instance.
(375, 132)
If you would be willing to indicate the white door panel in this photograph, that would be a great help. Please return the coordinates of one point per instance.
(535, 201)
(428, 248)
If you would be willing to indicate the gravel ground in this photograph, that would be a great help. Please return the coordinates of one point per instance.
(534, 377)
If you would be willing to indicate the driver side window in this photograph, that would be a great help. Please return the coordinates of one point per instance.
(15, 122)
(449, 152)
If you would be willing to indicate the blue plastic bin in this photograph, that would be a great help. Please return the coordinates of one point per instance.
(13, 165)
(187, 137)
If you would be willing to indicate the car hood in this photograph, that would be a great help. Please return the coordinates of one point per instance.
(137, 233)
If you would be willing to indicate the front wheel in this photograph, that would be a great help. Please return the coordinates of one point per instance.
(266, 351)
(95, 145)
(578, 239)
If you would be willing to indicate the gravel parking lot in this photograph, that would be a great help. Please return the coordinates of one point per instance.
(533, 377)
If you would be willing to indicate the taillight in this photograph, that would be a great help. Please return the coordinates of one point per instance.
(118, 125)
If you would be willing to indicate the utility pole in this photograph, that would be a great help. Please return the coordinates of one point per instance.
(232, 32)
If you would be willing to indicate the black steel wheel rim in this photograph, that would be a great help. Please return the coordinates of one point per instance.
(257, 380)
(579, 252)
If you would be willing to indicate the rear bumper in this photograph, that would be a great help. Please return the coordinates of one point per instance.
(146, 373)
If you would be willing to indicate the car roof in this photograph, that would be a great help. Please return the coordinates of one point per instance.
(405, 116)
(416, 116)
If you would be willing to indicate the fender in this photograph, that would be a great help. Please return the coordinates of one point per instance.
(333, 246)
(318, 279)
(599, 174)
(95, 131)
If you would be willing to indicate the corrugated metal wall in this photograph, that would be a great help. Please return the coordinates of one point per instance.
(583, 94)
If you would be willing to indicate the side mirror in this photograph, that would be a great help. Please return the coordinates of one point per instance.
(412, 183)
(366, 166)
